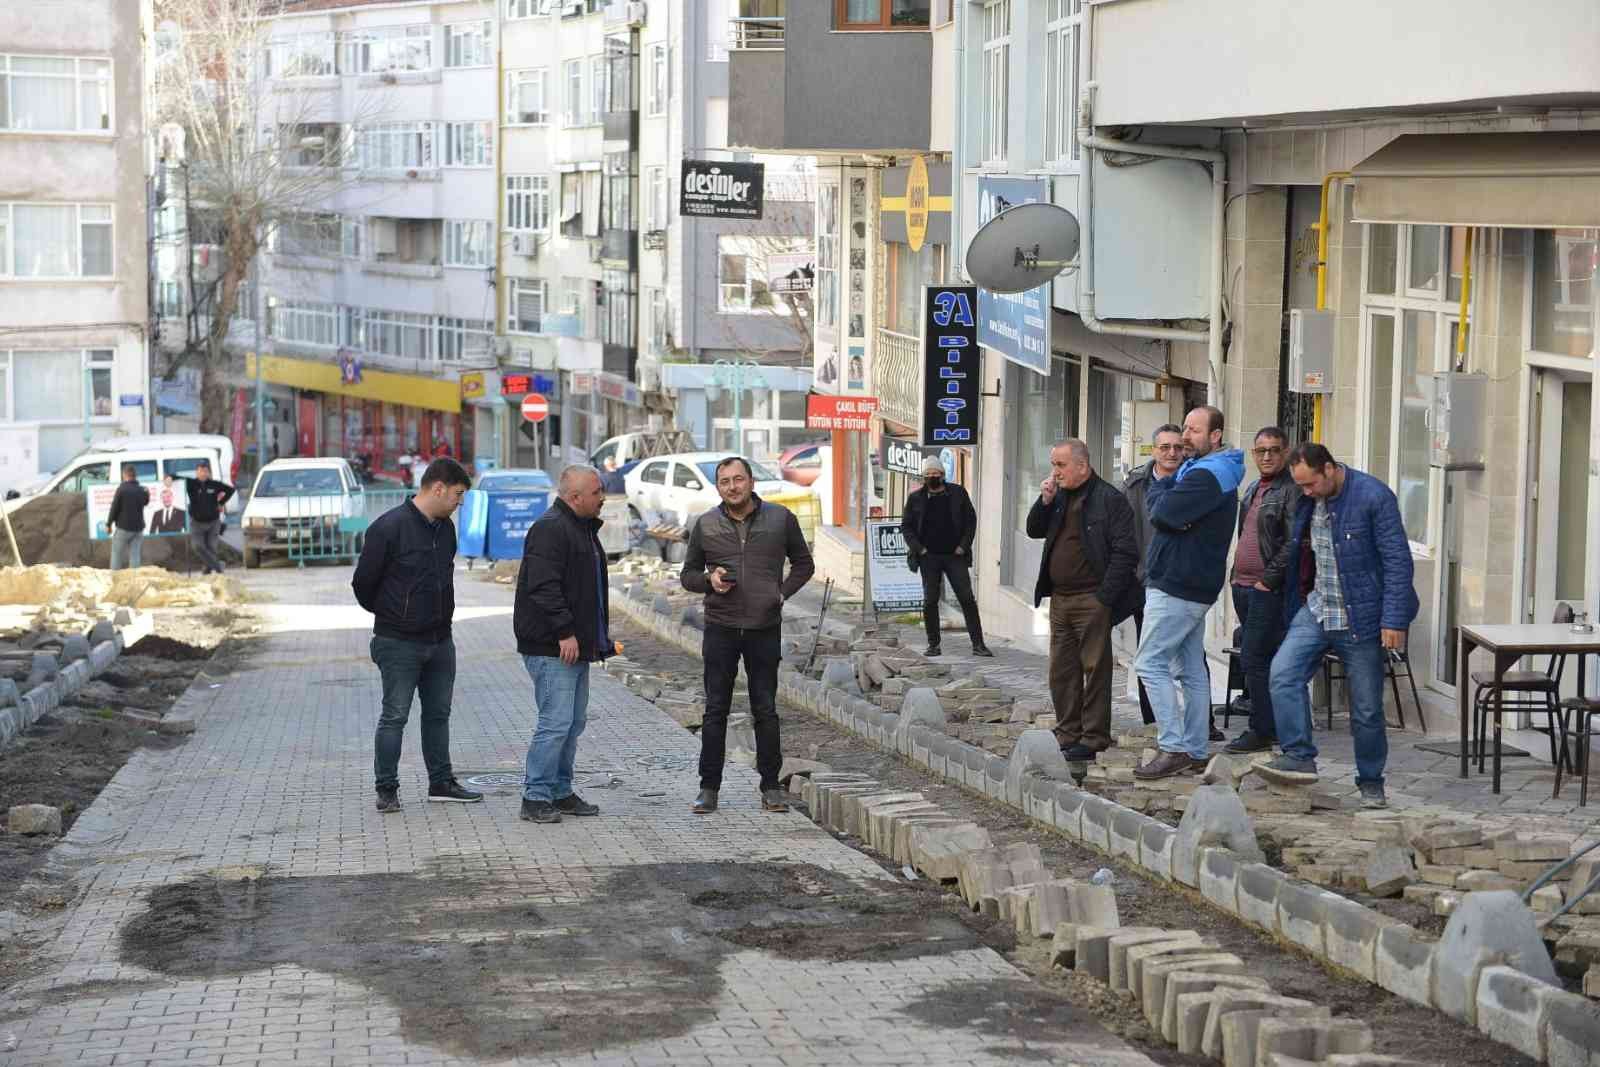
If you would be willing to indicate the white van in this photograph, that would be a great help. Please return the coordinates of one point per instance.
(153, 456)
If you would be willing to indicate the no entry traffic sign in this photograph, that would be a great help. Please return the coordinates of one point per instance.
(535, 407)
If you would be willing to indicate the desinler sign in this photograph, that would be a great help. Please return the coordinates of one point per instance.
(722, 190)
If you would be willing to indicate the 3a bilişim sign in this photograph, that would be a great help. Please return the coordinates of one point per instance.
(951, 365)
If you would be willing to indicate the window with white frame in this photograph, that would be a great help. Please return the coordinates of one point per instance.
(619, 191)
(1062, 18)
(386, 49)
(656, 198)
(574, 297)
(469, 144)
(301, 55)
(55, 94)
(658, 320)
(350, 227)
(399, 334)
(169, 299)
(469, 44)
(660, 75)
(314, 144)
(527, 202)
(303, 322)
(599, 88)
(310, 235)
(1564, 291)
(996, 84)
(464, 339)
(616, 324)
(527, 9)
(1410, 319)
(528, 97)
(56, 240)
(827, 280)
(741, 278)
(468, 243)
(397, 145)
(575, 102)
(525, 305)
(48, 385)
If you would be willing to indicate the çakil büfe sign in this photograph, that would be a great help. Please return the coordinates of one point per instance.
(950, 366)
(721, 190)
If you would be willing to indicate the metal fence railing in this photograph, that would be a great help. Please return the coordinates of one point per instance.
(755, 33)
(897, 375)
(333, 525)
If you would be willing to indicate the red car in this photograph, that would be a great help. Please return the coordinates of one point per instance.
(802, 464)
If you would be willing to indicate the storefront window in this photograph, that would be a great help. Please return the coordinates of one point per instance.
(912, 271)
(1039, 411)
(1563, 291)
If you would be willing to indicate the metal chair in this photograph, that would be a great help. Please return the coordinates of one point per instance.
(1396, 665)
(1587, 711)
(1532, 692)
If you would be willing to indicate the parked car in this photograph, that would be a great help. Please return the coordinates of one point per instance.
(514, 480)
(802, 464)
(314, 505)
(678, 488)
(617, 452)
(153, 456)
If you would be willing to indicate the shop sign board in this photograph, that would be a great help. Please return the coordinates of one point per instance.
(951, 366)
(1016, 325)
(719, 189)
(840, 412)
(894, 586)
(167, 514)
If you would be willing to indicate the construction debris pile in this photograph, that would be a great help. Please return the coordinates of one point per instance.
(48, 599)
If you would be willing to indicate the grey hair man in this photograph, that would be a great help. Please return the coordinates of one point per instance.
(939, 525)
(562, 623)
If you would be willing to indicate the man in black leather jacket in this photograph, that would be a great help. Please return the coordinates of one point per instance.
(1167, 444)
(405, 577)
(938, 526)
(1265, 512)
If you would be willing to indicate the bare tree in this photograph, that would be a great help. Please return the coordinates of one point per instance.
(784, 231)
(253, 151)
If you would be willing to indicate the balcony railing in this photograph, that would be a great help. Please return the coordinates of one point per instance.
(897, 374)
(748, 34)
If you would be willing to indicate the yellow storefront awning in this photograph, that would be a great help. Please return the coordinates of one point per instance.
(314, 376)
(1536, 180)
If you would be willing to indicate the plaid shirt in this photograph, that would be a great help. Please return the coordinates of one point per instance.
(1327, 597)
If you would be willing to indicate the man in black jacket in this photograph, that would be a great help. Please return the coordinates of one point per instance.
(562, 624)
(938, 526)
(126, 520)
(1265, 513)
(405, 577)
(735, 557)
(207, 498)
(1166, 444)
(1087, 571)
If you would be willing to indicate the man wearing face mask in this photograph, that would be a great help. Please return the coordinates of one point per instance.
(938, 526)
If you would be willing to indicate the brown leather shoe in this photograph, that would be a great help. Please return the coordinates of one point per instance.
(1165, 765)
(773, 800)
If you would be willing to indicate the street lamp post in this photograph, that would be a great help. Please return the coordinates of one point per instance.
(733, 374)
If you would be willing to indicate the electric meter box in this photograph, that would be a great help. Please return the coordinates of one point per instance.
(1458, 414)
(1311, 351)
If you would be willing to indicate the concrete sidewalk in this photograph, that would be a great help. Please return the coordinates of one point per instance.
(244, 904)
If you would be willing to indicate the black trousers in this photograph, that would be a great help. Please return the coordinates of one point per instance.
(1262, 630)
(934, 567)
(722, 649)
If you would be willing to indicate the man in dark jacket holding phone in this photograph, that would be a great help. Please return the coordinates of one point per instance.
(938, 528)
(735, 557)
(562, 622)
(1087, 571)
(405, 577)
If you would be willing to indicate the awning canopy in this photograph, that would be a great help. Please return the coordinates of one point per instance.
(1537, 180)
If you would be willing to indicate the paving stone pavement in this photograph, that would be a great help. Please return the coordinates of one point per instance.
(277, 782)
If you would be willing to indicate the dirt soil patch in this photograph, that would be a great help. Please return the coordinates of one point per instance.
(480, 969)
(1399, 1027)
(54, 528)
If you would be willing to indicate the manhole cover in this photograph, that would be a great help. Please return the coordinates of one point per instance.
(497, 780)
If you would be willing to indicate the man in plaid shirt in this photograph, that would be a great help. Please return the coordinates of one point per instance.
(1355, 576)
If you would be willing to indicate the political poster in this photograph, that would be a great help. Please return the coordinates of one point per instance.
(166, 515)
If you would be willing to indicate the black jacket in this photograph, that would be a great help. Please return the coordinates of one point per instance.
(754, 553)
(127, 507)
(916, 512)
(1134, 488)
(206, 499)
(406, 574)
(1273, 522)
(1108, 541)
(562, 587)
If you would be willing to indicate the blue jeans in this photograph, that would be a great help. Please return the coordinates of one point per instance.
(562, 694)
(125, 548)
(1298, 660)
(1174, 636)
(425, 669)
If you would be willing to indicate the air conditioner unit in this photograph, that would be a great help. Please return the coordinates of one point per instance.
(500, 346)
(524, 244)
(636, 13)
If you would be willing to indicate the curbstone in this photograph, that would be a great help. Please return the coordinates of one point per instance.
(74, 648)
(1124, 831)
(1141, 958)
(1513, 1009)
(1214, 816)
(1229, 1002)
(1350, 936)
(1403, 964)
(1258, 887)
(1155, 848)
(994, 780)
(1219, 878)
(1572, 1032)
(1301, 908)
(1198, 983)
(1118, 945)
(976, 762)
(1150, 990)
(937, 852)
(1068, 810)
(1310, 1039)
(1094, 950)
(1485, 929)
(1097, 814)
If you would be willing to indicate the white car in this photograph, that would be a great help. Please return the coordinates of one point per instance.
(311, 505)
(677, 488)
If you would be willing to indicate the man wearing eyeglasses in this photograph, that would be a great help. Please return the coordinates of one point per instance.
(1167, 449)
(1259, 564)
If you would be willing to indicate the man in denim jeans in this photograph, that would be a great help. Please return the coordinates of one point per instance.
(1193, 512)
(562, 619)
(1349, 589)
(405, 577)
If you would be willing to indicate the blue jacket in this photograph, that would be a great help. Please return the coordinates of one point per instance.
(1194, 513)
(1374, 556)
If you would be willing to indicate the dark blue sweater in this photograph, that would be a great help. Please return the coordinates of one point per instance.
(1194, 514)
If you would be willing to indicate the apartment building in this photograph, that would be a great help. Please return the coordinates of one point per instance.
(73, 226)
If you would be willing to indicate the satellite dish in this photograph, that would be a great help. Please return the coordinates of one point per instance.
(1022, 248)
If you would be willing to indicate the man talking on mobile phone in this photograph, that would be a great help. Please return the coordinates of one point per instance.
(736, 556)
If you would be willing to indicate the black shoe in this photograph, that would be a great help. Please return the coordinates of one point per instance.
(573, 804)
(451, 792)
(388, 800)
(931, 650)
(1078, 753)
(539, 811)
(1218, 735)
(773, 800)
(706, 802)
(1250, 741)
(982, 650)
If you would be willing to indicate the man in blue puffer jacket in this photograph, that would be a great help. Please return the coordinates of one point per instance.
(1193, 514)
(1354, 596)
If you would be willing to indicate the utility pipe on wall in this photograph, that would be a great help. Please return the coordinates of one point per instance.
(1322, 280)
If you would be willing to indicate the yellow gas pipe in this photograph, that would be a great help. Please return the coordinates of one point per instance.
(1322, 280)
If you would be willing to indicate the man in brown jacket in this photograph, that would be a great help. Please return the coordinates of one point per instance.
(735, 557)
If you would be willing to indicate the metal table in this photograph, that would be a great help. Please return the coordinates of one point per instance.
(1509, 642)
